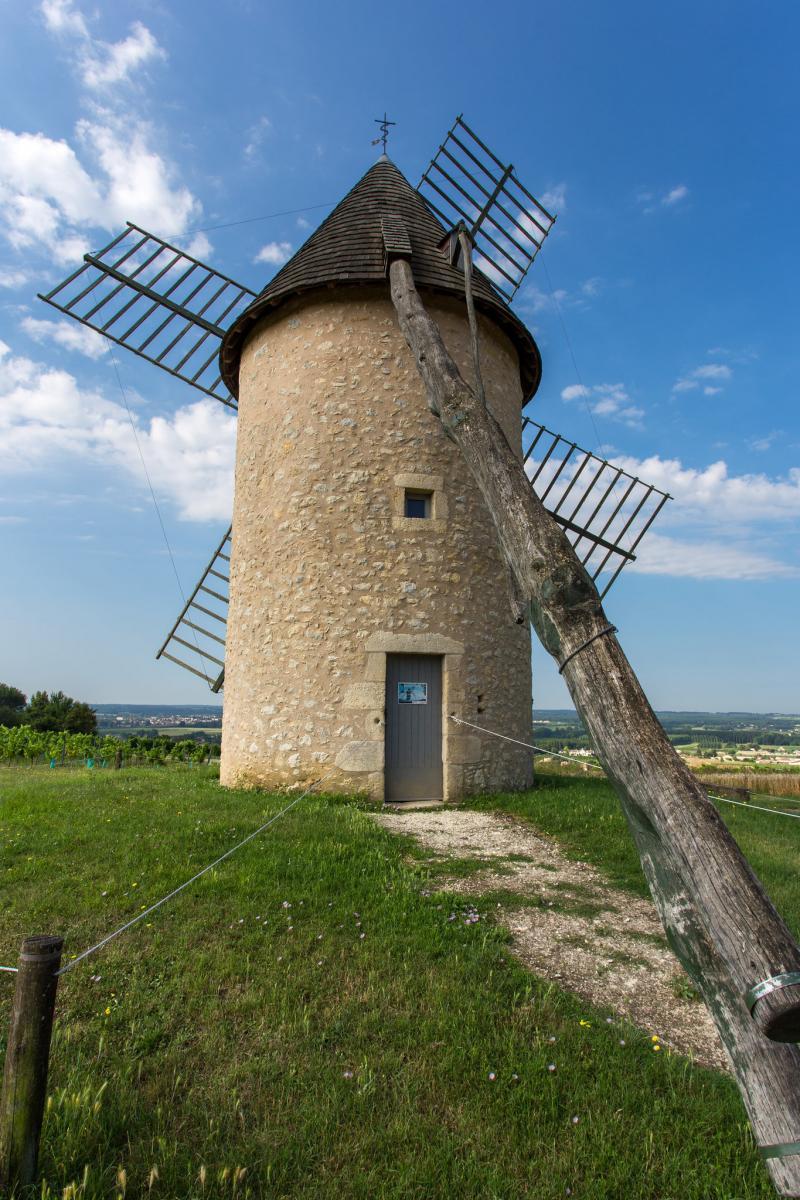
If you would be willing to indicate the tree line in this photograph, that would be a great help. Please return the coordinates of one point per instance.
(45, 712)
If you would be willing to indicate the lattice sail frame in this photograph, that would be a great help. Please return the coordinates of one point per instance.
(604, 511)
(467, 182)
(158, 301)
(208, 603)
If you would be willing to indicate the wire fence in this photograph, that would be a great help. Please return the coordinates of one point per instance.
(182, 886)
(596, 767)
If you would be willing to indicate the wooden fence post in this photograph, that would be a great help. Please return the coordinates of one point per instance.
(27, 1058)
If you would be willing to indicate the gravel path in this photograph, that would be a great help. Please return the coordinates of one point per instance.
(617, 957)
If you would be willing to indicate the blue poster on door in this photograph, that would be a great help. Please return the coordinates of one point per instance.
(412, 693)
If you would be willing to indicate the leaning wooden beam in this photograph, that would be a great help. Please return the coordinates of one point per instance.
(718, 919)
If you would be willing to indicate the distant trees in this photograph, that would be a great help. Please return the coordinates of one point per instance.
(46, 712)
(12, 705)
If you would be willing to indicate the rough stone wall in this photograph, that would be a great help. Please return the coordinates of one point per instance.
(328, 575)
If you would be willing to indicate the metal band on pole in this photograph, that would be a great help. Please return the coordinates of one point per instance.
(779, 1150)
(588, 642)
(767, 986)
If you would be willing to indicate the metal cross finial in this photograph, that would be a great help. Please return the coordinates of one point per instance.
(384, 124)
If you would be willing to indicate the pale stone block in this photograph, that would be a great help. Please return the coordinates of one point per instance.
(358, 757)
(463, 748)
(364, 695)
(376, 668)
(413, 643)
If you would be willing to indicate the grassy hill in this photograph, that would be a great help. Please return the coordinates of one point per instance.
(306, 1021)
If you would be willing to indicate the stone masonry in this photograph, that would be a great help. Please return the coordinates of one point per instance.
(328, 575)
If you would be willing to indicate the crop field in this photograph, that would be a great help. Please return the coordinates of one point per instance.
(306, 1020)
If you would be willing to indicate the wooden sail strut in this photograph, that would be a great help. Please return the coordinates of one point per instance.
(717, 916)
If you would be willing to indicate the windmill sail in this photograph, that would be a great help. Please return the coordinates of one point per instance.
(200, 629)
(156, 300)
(604, 511)
(467, 182)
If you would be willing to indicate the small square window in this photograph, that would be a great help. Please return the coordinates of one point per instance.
(417, 504)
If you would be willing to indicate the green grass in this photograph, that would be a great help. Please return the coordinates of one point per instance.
(584, 815)
(215, 1040)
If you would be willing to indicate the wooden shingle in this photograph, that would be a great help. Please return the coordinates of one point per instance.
(348, 249)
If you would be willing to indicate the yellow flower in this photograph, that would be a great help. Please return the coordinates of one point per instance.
(656, 1047)
(108, 1012)
(655, 1038)
(586, 1024)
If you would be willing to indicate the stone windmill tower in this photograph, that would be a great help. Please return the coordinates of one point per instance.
(367, 598)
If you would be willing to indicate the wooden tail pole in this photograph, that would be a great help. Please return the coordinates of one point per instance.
(27, 1058)
(718, 919)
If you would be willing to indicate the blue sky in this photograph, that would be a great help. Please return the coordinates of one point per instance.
(665, 138)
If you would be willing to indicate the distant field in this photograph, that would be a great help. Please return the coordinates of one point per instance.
(308, 1022)
(155, 730)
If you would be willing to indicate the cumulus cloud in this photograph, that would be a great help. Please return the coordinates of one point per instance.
(675, 195)
(659, 555)
(70, 334)
(54, 193)
(46, 417)
(716, 526)
(12, 279)
(49, 199)
(275, 253)
(653, 201)
(719, 373)
(61, 17)
(555, 199)
(107, 64)
(606, 400)
(714, 497)
(101, 64)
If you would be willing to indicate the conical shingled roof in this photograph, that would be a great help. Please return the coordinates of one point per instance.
(347, 249)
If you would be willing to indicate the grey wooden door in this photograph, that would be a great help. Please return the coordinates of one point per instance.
(413, 727)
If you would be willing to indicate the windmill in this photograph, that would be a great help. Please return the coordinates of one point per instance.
(348, 503)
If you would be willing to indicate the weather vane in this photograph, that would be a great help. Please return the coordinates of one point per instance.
(384, 124)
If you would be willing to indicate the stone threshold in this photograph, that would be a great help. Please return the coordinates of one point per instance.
(412, 805)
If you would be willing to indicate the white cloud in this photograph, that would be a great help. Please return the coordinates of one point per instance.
(302, 223)
(255, 138)
(606, 400)
(719, 372)
(12, 279)
(764, 443)
(54, 194)
(70, 334)
(101, 64)
(533, 299)
(46, 417)
(659, 555)
(106, 64)
(675, 195)
(651, 201)
(60, 17)
(719, 526)
(49, 199)
(555, 199)
(575, 391)
(712, 497)
(200, 247)
(276, 253)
